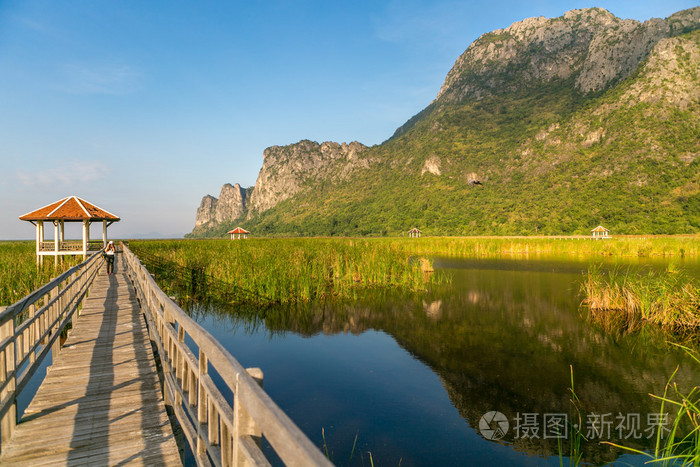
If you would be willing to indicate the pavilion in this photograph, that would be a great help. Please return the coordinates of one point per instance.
(238, 233)
(71, 209)
(600, 232)
(414, 233)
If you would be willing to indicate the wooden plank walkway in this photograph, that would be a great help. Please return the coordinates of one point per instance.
(100, 403)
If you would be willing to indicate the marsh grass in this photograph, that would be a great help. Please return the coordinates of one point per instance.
(19, 273)
(575, 247)
(624, 299)
(575, 430)
(268, 271)
(681, 446)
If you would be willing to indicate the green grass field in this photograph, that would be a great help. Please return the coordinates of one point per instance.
(19, 273)
(573, 247)
(294, 270)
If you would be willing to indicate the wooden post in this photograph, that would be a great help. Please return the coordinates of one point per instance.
(243, 423)
(180, 365)
(33, 335)
(104, 233)
(9, 420)
(53, 315)
(202, 412)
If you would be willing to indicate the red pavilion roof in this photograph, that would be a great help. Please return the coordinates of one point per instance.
(69, 209)
(238, 230)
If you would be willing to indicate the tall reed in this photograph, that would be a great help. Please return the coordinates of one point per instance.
(670, 299)
(650, 246)
(291, 270)
(19, 273)
(681, 446)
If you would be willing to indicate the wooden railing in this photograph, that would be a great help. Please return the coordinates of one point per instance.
(33, 326)
(70, 245)
(220, 432)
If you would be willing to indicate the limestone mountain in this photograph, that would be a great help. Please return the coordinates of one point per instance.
(549, 126)
(286, 170)
(231, 204)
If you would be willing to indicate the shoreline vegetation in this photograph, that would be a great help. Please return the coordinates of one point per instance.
(281, 271)
(677, 246)
(623, 300)
(268, 271)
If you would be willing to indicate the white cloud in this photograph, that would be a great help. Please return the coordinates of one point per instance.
(73, 174)
(99, 79)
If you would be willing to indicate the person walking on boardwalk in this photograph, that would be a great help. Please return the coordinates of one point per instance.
(109, 255)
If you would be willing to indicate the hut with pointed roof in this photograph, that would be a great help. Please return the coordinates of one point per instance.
(238, 233)
(414, 233)
(600, 232)
(71, 209)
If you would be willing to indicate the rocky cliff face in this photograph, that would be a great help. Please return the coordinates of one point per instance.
(287, 169)
(592, 46)
(230, 205)
(205, 211)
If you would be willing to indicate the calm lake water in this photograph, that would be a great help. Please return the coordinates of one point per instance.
(411, 377)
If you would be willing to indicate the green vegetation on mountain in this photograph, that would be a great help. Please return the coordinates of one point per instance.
(549, 157)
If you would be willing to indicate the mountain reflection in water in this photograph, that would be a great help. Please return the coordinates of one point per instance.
(501, 336)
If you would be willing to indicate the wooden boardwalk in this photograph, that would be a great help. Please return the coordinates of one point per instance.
(101, 401)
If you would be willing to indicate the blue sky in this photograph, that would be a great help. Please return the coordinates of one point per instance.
(144, 107)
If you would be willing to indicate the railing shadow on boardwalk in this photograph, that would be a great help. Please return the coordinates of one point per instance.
(98, 379)
(104, 363)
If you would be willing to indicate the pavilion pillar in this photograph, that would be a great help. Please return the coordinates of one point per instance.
(104, 233)
(38, 239)
(62, 231)
(55, 241)
(86, 235)
(41, 240)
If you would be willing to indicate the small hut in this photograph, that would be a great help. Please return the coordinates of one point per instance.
(71, 209)
(238, 233)
(414, 233)
(600, 232)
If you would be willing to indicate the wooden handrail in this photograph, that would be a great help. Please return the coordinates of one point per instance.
(220, 432)
(31, 327)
